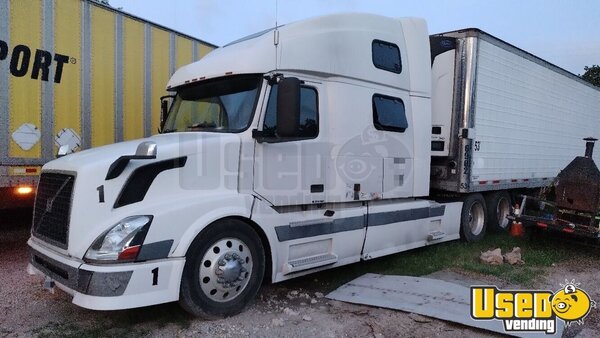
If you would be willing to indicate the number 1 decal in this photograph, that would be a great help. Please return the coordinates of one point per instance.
(154, 276)
(100, 190)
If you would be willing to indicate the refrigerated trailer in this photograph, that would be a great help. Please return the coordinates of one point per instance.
(302, 148)
(503, 120)
(80, 74)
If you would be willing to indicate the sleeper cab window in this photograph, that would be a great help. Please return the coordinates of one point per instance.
(389, 113)
(386, 56)
(309, 113)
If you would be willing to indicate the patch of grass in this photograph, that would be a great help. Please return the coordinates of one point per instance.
(538, 252)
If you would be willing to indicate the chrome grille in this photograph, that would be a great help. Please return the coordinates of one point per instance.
(53, 208)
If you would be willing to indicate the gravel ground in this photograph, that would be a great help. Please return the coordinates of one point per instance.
(280, 310)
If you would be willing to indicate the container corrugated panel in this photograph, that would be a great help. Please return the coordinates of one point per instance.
(79, 73)
(529, 118)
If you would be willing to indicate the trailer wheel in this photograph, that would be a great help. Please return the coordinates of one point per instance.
(223, 271)
(473, 218)
(498, 207)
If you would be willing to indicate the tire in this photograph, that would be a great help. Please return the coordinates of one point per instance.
(498, 206)
(223, 271)
(473, 218)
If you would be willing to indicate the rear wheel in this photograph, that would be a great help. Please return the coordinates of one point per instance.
(223, 271)
(473, 218)
(498, 207)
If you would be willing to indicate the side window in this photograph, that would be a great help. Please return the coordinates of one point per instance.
(389, 113)
(386, 56)
(309, 113)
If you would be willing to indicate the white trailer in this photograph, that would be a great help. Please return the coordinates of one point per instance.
(503, 120)
(287, 152)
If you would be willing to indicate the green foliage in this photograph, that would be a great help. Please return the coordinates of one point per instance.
(539, 252)
(592, 75)
(104, 2)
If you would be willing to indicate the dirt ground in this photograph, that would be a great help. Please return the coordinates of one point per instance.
(281, 310)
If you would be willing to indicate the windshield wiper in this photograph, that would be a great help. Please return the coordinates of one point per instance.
(203, 125)
(166, 131)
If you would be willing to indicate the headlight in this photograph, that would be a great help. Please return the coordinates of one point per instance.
(122, 242)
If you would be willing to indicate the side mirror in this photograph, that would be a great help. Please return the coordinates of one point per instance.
(63, 150)
(146, 149)
(164, 106)
(164, 110)
(288, 107)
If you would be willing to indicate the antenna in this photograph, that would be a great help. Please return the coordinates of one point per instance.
(276, 31)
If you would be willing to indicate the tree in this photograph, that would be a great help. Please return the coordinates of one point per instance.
(104, 2)
(592, 75)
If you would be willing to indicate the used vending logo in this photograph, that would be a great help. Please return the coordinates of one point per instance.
(531, 311)
(22, 59)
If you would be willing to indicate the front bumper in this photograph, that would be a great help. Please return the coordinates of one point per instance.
(93, 283)
(109, 287)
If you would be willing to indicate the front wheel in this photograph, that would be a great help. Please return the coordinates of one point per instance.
(473, 218)
(223, 271)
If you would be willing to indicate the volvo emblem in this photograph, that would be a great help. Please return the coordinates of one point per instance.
(49, 205)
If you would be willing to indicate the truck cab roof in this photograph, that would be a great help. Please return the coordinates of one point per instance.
(338, 45)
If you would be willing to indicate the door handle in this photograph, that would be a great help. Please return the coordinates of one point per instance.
(315, 188)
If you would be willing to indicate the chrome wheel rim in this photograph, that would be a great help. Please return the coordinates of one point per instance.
(225, 269)
(476, 218)
(503, 210)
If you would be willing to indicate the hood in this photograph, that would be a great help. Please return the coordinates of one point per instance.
(168, 146)
(205, 163)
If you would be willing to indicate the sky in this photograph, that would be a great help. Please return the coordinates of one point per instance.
(563, 32)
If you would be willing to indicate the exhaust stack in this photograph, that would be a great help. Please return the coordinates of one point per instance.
(589, 146)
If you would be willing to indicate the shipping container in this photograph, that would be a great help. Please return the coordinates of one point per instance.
(77, 73)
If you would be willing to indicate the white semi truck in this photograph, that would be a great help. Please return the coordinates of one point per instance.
(314, 145)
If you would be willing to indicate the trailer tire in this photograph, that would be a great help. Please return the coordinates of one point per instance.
(223, 271)
(473, 220)
(498, 207)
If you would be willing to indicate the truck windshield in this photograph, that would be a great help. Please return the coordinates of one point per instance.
(224, 104)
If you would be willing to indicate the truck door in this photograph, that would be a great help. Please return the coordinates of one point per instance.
(292, 171)
(290, 175)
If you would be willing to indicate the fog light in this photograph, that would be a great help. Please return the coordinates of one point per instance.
(24, 190)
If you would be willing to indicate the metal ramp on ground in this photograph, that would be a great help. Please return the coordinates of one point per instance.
(425, 296)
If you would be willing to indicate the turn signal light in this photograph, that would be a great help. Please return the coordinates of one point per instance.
(24, 190)
(129, 253)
